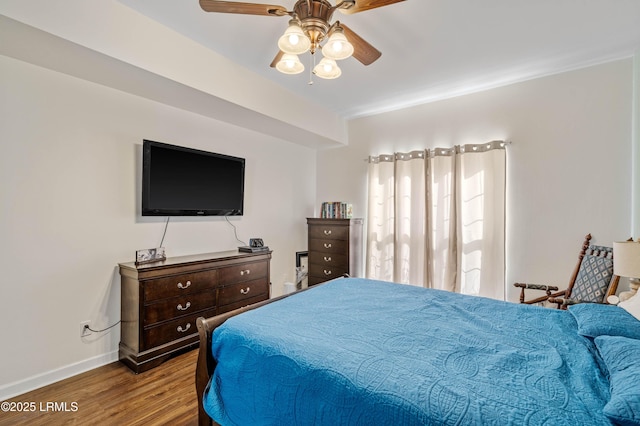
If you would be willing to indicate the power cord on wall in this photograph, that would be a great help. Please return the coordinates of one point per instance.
(166, 225)
(86, 327)
(235, 231)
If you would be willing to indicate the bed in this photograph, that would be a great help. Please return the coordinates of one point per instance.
(362, 352)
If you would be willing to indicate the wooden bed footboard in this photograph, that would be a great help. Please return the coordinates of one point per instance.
(206, 364)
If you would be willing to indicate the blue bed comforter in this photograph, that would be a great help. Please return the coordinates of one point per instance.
(363, 352)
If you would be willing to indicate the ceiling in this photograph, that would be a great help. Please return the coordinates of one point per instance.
(431, 49)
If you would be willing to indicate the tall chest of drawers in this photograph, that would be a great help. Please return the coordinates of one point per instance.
(160, 301)
(335, 248)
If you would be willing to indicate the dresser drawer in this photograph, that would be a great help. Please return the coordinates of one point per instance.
(245, 290)
(242, 303)
(329, 231)
(328, 273)
(328, 246)
(173, 330)
(179, 285)
(329, 260)
(316, 280)
(243, 272)
(175, 307)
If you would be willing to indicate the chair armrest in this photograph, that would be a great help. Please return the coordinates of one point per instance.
(536, 286)
(546, 288)
(563, 302)
(567, 301)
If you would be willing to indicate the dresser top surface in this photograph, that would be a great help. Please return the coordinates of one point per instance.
(321, 220)
(191, 259)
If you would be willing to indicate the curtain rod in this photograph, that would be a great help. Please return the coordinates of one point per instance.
(504, 144)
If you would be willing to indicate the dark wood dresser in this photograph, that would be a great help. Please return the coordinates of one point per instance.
(160, 301)
(335, 248)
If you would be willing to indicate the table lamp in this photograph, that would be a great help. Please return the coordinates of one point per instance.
(626, 263)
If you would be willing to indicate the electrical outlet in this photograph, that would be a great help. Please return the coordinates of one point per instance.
(84, 328)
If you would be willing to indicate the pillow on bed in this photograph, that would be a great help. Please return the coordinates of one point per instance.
(620, 354)
(632, 305)
(595, 319)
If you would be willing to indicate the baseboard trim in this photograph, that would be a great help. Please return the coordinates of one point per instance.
(23, 386)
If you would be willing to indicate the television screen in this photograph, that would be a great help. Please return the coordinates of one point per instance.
(179, 181)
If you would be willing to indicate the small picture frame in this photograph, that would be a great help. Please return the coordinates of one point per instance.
(150, 255)
(256, 242)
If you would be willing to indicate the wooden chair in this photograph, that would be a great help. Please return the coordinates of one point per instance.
(592, 280)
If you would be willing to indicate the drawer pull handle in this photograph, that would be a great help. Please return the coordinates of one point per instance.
(182, 330)
(245, 272)
(327, 258)
(327, 232)
(187, 306)
(245, 290)
(327, 245)
(183, 286)
(327, 272)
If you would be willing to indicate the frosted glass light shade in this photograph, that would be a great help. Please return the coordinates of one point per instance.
(626, 259)
(294, 40)
(290, 64)
(337, 47)
(327, 69)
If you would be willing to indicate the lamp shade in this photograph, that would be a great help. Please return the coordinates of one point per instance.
(289, 64)
(327, 69)
(294, 40)
(626, 259)
(337, 47)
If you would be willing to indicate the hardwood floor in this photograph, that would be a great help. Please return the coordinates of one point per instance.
(114, 395)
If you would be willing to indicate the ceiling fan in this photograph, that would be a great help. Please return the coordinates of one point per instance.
(309, 27)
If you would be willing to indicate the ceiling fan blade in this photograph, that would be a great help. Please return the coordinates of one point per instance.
(276, 59)
(243, 8)
(362, 5)
(362, 50)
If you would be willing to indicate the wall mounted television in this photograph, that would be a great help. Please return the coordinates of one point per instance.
(179, 181)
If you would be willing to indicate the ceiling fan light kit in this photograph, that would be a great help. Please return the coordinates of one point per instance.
(309, 27)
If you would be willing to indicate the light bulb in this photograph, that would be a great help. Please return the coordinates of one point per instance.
(289, 64)
(328, 69)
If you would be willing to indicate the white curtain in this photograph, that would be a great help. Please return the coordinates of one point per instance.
(436, 218)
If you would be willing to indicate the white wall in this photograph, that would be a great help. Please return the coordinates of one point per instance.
(569, 168)
(70, 202)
